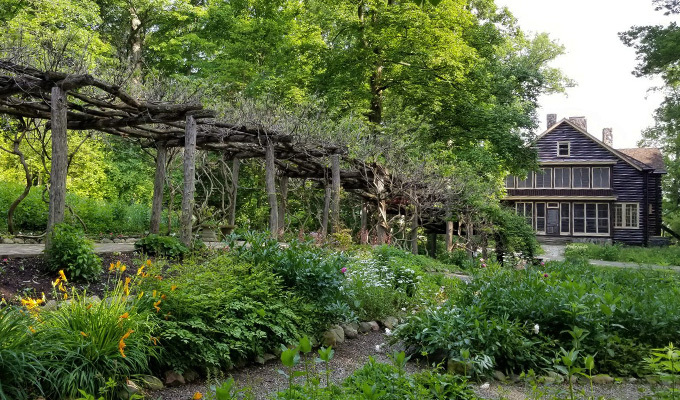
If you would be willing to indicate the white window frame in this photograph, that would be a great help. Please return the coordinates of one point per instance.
(544, 172)
(568, 149)
(592, 178)
(530, 176)
(567, 232)
(585, 219)
(573, 181)
(624, 222)
(524, 209)
(544, 217)
(555, 180)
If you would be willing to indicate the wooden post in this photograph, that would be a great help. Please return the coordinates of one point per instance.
(59, 161)
(270, 184)
(235, 167)
(414, 231)
(335, 193)
(158, 186)
(449, 236)
(364, 223)
(326, 207)
(283, 204)
(432, 245)
(189, 176)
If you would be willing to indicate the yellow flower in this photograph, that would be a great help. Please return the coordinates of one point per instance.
(139, 271)
(156, 304)
(61, 287)
(153, 294)
(173, 287)
(62, 276)
(65, 296)
(197, 396)
(56, 282)
(139, 296)
(112, 267)
(123, 268)
(163, 296)
(30, 328)
(126, 288)
(83, 334)
(148, 262)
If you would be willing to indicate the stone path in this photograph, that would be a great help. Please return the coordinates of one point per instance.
(556, 253)
(31, 250)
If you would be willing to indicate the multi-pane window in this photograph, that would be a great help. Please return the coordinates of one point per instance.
(626, 215)
(525, 210)
(581, 177)
(562, 177)
(601, 177)
(540, 217)
(563, 149)
(544, 178)
(591, 218)
(564, 217)
(509, 182)
(526, 183)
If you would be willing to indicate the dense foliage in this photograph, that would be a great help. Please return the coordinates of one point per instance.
(71, 252)
(665, 256)
(518, 319)
(161, 246)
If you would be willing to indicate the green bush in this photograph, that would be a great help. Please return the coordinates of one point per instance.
(214, 314)
(163, 246)
(71, 252)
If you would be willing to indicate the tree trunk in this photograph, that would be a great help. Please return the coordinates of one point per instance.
(29, 182)
(59, 161)
(449, 236)
(189, 177)
(326, 207)
(363, 233)
(335, 193)
(158, 186)
(432, 245)
(270, 184)
(381, 226)
(414, 231)
(235, 167)
(135, 41)
(283, 204)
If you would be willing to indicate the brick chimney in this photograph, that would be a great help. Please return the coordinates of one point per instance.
(580, 122)
(551, 120)
(608, 137)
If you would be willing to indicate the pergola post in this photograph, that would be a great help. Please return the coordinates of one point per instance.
(270, 184)
(335, 193)
(381, 226)
(414, 231)
(59, 165)
(189, 177)
(235, 167)
(449, 236)
(158, 186)
(283, 204)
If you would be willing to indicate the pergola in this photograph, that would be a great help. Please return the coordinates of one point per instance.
(84, 102)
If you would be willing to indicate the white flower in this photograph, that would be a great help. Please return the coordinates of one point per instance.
(485, 386)
(536, 329)
(403, 309)
(388, 332)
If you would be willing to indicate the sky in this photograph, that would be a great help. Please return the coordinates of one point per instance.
(607, 94)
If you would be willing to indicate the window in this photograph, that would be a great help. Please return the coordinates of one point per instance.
(509, 182)
(581, 177)
(562, 177)
(601, 177)
(626, 215)
(591, 218)
(564, 218)
(544, 178)
(563, 149)
(540, 217)
(526, 183)
(525, 210)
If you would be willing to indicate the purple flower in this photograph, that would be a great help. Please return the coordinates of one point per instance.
(343, 270)
(545, 275)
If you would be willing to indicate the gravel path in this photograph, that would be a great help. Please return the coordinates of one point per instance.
(617, 391)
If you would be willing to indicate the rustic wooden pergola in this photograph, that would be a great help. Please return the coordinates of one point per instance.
(84, 102)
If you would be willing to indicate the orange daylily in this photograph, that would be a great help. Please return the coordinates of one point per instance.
(121, 342)
(83, 334)
(173, 287)
(156, 304)
(124, 316)
(62, 276)
(197, 396)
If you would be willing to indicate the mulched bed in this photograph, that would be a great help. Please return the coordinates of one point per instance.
(26, 276)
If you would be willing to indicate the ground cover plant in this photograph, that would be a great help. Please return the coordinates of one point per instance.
(666, 256)
(71, 252)
(516, 320)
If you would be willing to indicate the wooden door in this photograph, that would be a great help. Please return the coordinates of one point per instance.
(553, 223)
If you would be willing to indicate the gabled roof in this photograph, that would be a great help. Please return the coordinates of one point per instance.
(649, 156)
(632, 161)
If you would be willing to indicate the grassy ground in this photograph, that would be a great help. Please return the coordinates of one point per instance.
(665, 256)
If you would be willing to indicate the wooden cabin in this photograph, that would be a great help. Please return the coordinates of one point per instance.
(586, 190)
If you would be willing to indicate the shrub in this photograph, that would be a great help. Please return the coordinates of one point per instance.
(164, 246)
(71, 252)
(219, 312)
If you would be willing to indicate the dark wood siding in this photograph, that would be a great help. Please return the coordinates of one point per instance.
(654, 196)
(628, 186)
(581, 147)
(560, 192)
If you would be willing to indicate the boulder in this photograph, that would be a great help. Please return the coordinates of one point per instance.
(7, 241)
(19, 241)
(350, 331)
(458, 367)
(150, 382)
(339, 332)
(390, 322)
(106, 241)
(374, 326)
(191, 375)
(329, 338)
(600, 379)
(265, 358)
(364, 327)
(116, 240)
(172, 378)
(499, 376)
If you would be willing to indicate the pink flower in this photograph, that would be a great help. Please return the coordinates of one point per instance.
(4, 260)
(343, 270)
(542, 263)
(483, 265)
(481, 260)
(545, 275)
